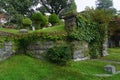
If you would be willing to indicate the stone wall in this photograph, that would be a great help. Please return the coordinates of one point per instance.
(2, 33)
(79, 49)
(6, 50)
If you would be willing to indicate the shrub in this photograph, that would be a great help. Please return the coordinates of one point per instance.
(38, 18)
(44, 22)
(59, 55)
(53, 19)
(26, 22)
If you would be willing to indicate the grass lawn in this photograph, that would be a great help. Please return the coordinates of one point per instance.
(114, 54)
(52, 29)
(22, 67)
(57, 28)
(14, 31)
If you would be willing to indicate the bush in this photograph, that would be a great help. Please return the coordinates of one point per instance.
(44, 23)
(26, 22)
(53, 19)
(37, 18)
(59, 55)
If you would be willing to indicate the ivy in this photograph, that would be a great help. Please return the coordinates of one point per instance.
(87, 31)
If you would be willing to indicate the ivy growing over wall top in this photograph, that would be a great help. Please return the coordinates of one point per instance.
(86, 30)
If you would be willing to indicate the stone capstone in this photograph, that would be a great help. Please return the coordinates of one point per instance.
(23, 31)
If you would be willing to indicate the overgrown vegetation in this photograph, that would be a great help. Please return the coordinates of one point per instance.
(92, 27)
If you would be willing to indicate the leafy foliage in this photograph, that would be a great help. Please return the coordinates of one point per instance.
(70, 9)
(87, 31)
(104, 4)
(92, 27)
(44, 22)
(37, 19)
(59, 54)
(53, 19)
(53, 6)
(27, 22)
(15, 9)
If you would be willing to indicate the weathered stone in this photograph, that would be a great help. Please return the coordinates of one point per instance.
(6, 51)
(80, 49)
(70, 23)
(23, 31)
(110, 69)
(105, 48)
(8, 46)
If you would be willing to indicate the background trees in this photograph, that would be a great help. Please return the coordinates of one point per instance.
(104, 4)
(56, 6)
(16, 9)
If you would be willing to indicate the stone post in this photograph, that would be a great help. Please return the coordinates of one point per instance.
(8, 47)
(70, 23)
(105, 44)
(78, 48)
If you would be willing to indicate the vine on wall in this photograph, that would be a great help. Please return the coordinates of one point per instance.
(87, 31)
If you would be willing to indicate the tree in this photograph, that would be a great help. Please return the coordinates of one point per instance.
(55, 6)
(114, 30)
(70, 9)
(104, 4)
(15, 8)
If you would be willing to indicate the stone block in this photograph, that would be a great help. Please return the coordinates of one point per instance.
(110, 69)
(23, 31)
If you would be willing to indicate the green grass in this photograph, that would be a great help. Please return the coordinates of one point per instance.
(57, 28)
(22, 67)
(52, 29)
(114, 54)
(9, 30)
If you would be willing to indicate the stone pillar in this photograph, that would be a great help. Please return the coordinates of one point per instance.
(70, 23)
(105, 44)
(8, 47)
(79, 50)
(105, 48)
